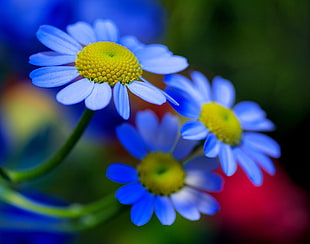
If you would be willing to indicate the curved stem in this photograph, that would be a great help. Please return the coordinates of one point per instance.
(56, 159)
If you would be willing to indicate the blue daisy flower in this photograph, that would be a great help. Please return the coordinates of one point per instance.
(161, 183)
(231, 133)
(97, 62)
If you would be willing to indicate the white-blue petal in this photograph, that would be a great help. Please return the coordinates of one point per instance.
(184, 202)
(147, 92)
(194, 130)
(211, 146)
(131, 42)
(259, 125)
(164, 210)
(183, 148)
(51, 58)
(57, 40)
(75, 92)
(129, 194)
(100, 97)
(152, 51)
(262, 143)
(248, 111)
(206, 204)
(106, 30)
(249, 166)
(204, 180)
(122, 173)
(227, 160)
(121, 100)
(53, 76)
(82, 32)
(203, 86)
(131, 140)
(141, 212)
(223, 91)
(202, 163)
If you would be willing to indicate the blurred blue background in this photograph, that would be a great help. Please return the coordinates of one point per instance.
(263, 47)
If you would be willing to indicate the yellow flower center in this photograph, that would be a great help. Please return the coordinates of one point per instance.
(108, 62)
(161, 174)
(222, 122)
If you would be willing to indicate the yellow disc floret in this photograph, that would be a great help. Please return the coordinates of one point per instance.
(108, 62)
(222, 122)
(161, 174)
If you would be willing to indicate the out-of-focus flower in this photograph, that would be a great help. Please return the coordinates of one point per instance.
(229, 132)
(160, 183)
(276, 212)
(98, 60)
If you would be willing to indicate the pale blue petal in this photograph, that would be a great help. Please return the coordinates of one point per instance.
(122, 173)
(264, 161)
(131, 140)
(202, 163)
(57, 40)
(261, 125)
(194, 130)
(184, 203)
(204, 180)
(206, 204)
(147, 92)
(152, 51)
(100, 96)
(211, 146)
(82, 32)
(121, 100)
(262, 143)
(249, 166)
(165, 65)
(183, 148)
(227, 160)
(106, 30)
(203, 86)
(129, 194)
(131, 42)
(248, 111)
(223, 91)
(51, 58)
(164, 210)
(141, 212)
(75, 92)
(53, 76)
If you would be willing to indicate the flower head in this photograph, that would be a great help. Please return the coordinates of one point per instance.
(97, 62)
(229, 132)
(161, 183)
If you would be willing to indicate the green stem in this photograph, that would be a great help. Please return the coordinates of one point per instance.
(56, 159)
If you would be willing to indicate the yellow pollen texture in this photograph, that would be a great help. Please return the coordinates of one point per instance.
(108, 62)
(222, 122)
(161, 174)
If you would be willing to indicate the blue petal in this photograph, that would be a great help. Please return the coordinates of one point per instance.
(53, 76)
(249, 166)
(184, 203)
(75, 92)
(51, 58)
(131, 140)
(147, 92)
(164, 65)
(261, 125)
(100, 97)
(227, 159)
(131, 42)
(211, 146)
(248, 111)
(131, 193)
(141, 212)
(121, 100)
(203, 86)
(164, 210)
(261, 159)
(262, 143)
(106, 30)
(187, 107)
(206, 204)
(122, 173)
(57, 40)
(204, 180)
(202, 163)
(152, 51)
(82, 32)
(194, 130)
(183, 148)
(223, 91)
